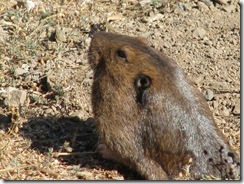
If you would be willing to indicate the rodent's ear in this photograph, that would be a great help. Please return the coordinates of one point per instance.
(142, 83)
(143, 40)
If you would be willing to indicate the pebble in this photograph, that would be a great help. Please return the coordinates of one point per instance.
(77, 113)
(202, 6)
(198, 80)
(85, 175)
(221, 1)
(215, 104)
(207, 2)
(19, 71)
(15, 97)
(225, 112)
(199, 32)
(144, 2)
(25, 67)
(61, 34)
(179, 8)
(237, 109)
(49, 111)
(35, 98)
(51, 85)
(165, 9)
(141, 29)
(208, 94)
(156, 17)
(229, 8)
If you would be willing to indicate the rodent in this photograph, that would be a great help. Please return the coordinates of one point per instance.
(149, 115)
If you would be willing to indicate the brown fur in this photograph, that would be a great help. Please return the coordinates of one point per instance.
(157, 128)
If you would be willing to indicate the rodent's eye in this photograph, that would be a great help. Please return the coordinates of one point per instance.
(143, 82)
(121, 54)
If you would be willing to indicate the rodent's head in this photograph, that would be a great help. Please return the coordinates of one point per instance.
(129, 66)
(134, 82)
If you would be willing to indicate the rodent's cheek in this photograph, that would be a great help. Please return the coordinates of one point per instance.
(94, 58)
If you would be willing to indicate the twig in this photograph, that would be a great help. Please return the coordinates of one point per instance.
(57, 154)
(18, 167)
(226, 91)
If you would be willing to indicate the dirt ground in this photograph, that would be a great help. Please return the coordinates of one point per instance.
(46, 127)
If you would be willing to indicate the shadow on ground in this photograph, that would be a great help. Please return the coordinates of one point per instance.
(68, 135)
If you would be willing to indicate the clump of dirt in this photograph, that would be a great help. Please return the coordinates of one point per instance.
(46, 123)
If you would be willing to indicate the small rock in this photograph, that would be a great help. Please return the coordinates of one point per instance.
(35, 98)
(207, 2)
(180, 7)
(202, 6)
(49, 111)
(198, 80)
(61, 34)
(199, 32)
(156, 17)
(25, 67)
(215, 104)
(212, 8)
(221, 1)
(144, 2)
(211, 108)
(237, 109)
(208, 94)
(52, 84)
(166, 9)
(141, 29)
(15, 97)
(85, 175)
(19, 71)
(225, 112)
(229, 8)
(77, 113)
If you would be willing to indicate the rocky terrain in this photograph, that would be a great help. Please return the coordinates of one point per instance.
(46, 127)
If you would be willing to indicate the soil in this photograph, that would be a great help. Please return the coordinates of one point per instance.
(46, 126)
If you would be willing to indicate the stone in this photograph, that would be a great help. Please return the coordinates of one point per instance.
(85, 175)
(237, 109)
(25, 67)
(215, 104)
(225, 112)
(61, 33)
(144, 2)
(207, 2)
(208, 94)
(178, 9)
(229, 8)
(199, 32)
(221, 1)
(19, 71)
(14, 97)
(202, 6)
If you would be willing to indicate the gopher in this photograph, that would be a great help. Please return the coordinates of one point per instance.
(150, 116)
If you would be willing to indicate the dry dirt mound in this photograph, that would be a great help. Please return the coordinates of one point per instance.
(46, 128)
